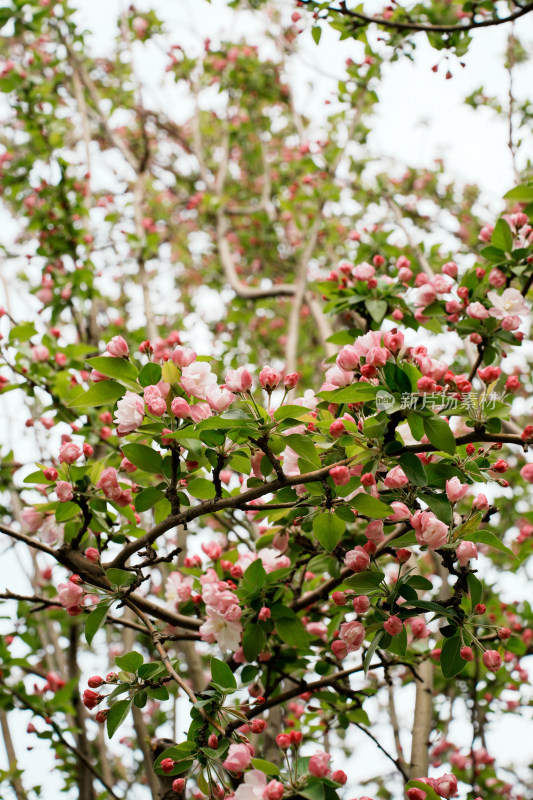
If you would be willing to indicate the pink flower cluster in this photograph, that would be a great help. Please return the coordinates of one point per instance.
(222, 612)
(109, 484)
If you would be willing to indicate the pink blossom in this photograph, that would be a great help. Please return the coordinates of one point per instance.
(178, 588)
(425, 296)
(69, 594)
(319, 764)
(32, 519)
(480, 502)
(446, 785)
(393, 625)
(238, 758)
(180, 408)
(357, 559)
(217, 628)
(219, 399)
(442, 284)
(183, 357)
(108, 483)
(349, 355)
(400, 512)
(69, 453)
(269, 378)
(527, 472)
(363, 272)
(340, 475)
(429, 366)
(117, 347)
(377, 356)
(510, 302)
(486, 232)
(339, 649)
(196, 378)
(40, 353)
(96, 376)
(239, 380)
(393, 341)
(477, 311)
(130, 413)
(273, 791)
(492, 660)
(212, 549)
(511, 323)
(396, 478)
(497, 278)
(466, 551)
(64, 491)
(374, 531)
(429, 530)
(338, 377)
(200, 411)
(455, 490)
(450, 268)
(154, 400)
(352, 634)
(253, 787)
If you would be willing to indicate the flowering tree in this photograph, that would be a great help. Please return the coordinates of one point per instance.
(266, 545)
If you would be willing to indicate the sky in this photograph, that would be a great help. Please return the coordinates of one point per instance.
(420, 117)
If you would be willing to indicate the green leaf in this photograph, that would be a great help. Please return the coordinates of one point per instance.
(117, 714)
(414, 469)
(406, 540)
(476, 589)
(117, 368)
(377, 309)
(356, 393)
(398, 645)
(365, 582)
(255, 574)
(316, 33)
(521, 194)
(144, 457)
(328, 529)
(419, 582)
(289, 627)
(486, 537)
(66, 511)
(95, 620)
(222, 674)
(439, 504)
(430, 793)
(150, 374)
(374, 644)
(201, 489)
(129, 662)
(265, 766)
(120, 577)
(101, 394)
(22, 332)
(451, 662)
(304, 447)
(439, 434)
(502, 238)
(371, 506)
(148, 498)
(295, 412)
(253, 641)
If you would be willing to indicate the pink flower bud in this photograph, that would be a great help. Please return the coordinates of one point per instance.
(492, 660)
(64, 491)
(239, 380)
(455, 490)
(319, 764)
(393, 625)
(269, 378)
(340, 475)
(466, 653)
(339, 649)
(117, 347)
(291, 381)
(274, 790)
(167, 765)
(69, 453)
(180, 408)
(212, 742)
(92, 555)
(178, 785)
(339, 777)
(183, 357)
(339, 598)
(466, 551)
(91, 699)
(95, 682)
(264, 614)
(337, 428)
(357, 559)
(361, 604)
